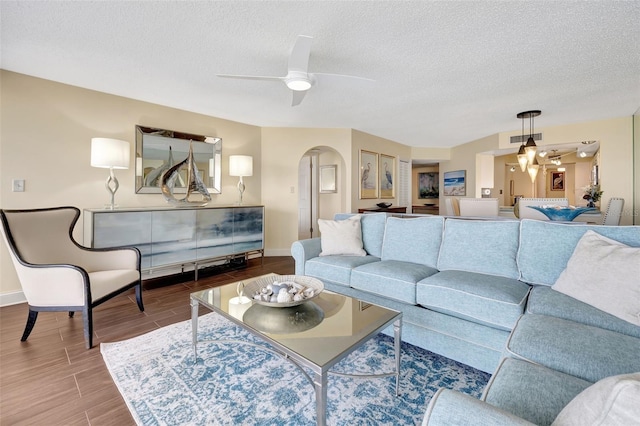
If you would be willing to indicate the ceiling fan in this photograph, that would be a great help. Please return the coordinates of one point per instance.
(298, 79)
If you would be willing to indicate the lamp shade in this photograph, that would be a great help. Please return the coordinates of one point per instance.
(240, 165)
(109, 153)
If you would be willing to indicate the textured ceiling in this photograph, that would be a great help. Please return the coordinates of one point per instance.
(446, 72)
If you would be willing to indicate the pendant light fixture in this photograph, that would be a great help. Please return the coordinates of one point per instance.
(530, 147)
(522, 156)
(532, 169)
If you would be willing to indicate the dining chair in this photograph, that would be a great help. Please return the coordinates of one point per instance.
(452, 206)
(58, 274)
(524, 212)
(479, 207)
(614, 212)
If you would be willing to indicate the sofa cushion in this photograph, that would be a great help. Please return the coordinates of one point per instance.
(414, 240)
(545, 301)
(391, 278)
(545, 247)
(372, 230)
(587, 352)
(341, 237)
(484, 246)
(606, 274)
(611, 401)
(532, 392)
(336, 268)
(488, 299)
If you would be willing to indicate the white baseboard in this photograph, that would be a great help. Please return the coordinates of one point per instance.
(13, 298)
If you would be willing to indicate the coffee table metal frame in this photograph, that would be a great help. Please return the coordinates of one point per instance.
(320, 372)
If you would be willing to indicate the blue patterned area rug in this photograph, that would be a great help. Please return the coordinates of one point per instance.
(241, 385)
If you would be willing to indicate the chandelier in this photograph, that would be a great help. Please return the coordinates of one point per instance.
(527, 151)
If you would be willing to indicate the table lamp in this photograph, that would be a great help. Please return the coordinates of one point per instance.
(110, 154)
(240, 165)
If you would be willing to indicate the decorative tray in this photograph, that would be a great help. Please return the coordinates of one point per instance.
(268, 290)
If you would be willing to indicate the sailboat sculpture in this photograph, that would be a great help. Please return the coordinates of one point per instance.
(194, 183)
(153, 177)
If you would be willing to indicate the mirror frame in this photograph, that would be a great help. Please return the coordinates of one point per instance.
(213, 181)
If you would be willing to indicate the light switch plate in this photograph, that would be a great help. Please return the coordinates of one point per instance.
(18, 185)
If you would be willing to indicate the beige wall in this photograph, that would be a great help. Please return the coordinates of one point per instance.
(633, 209)
(361, 140)
(46, 138)
(282, 149)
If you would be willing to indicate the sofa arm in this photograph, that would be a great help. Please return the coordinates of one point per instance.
(304, 250)
(450, 408)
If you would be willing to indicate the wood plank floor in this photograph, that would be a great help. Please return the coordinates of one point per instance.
(52, 379)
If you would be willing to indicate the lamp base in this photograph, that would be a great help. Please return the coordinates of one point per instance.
(240, 190)
(112, 190)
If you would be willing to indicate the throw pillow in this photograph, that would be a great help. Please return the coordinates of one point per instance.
(341, 237)
(605, 274)
(611, 401)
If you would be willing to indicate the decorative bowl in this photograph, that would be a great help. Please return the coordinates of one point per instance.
(384, 205)
(295, 319)
(257, 285)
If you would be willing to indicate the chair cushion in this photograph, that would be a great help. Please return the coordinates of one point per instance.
(487, 299)
(545, 247)
(545, 301)
(611, 401)
(532, 392)
(336, 268)
(583, 351)
(391, 278)
(588, 276)
(341, 237)
(483, 246)
(414, 240)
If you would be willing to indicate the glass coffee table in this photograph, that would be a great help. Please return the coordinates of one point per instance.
(316, 334)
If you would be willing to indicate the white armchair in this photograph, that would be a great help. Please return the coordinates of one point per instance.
(479, 207)
(524, 212)
(57, 274)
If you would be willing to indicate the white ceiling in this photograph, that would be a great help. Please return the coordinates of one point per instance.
(446, 72)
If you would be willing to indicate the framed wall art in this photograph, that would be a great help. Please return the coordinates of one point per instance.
(455, 183)
(368, 174)
(428, 185)
(328, 179)
(387, 176)
(557, 181)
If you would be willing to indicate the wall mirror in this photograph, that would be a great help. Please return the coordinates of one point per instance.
(159, 149)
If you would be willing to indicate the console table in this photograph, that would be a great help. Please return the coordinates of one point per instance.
(170, 238)
(386, 210)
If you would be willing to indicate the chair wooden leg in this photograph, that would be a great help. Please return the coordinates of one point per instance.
(31, 321)
(139, 296)
(87, 316)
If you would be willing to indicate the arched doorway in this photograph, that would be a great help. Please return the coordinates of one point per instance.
(315, 199)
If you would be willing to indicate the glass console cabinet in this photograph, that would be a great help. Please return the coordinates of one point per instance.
(178, 238)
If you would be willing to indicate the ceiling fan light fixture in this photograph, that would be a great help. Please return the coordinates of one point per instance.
(299, 84)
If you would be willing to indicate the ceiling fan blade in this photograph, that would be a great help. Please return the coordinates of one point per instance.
(324, 77)
(250, 77)
(299, 58)
(298, 96)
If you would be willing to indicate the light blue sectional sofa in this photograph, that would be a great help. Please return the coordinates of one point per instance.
(479, 292)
